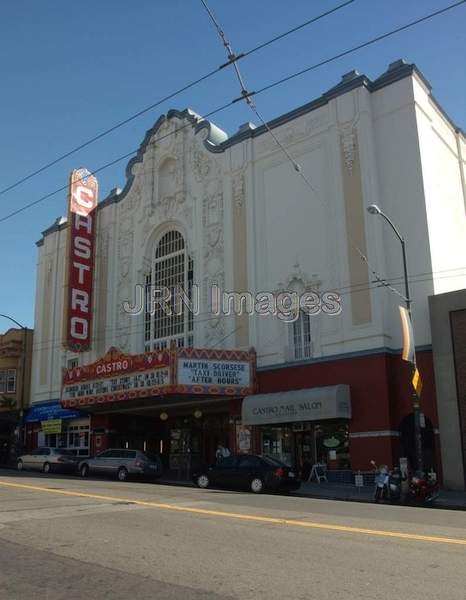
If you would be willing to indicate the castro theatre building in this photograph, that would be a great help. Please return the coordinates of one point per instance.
(211, 213)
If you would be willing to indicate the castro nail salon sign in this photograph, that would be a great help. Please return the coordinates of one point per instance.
(80, 260)
(213, 372)
(116, 377)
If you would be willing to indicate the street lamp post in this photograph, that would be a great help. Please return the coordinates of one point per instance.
(23, 377)
(373, 209)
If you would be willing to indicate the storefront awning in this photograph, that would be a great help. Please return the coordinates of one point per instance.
(314, 404)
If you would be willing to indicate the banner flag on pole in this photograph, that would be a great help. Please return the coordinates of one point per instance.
(417, 382)
(408, 336)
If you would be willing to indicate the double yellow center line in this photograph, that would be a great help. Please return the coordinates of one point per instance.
(245, 517)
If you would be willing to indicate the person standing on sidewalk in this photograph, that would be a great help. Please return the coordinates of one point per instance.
(221, 453)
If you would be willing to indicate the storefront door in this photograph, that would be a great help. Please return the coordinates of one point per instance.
(304, 452)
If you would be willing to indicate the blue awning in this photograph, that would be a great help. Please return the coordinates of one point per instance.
(51, 410)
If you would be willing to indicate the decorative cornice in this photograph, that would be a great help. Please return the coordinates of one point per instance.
(217, 141)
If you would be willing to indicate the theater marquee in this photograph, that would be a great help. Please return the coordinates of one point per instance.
(183, 371)
(79, 263)
(116, 377)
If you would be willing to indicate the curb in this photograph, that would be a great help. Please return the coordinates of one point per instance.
(434, 505)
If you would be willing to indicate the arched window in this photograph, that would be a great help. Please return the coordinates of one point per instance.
(169, 288)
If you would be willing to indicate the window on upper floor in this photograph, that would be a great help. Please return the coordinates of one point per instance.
(301, 340)
(72, 363)
(7, 381)
(172, 271)
(11, 381)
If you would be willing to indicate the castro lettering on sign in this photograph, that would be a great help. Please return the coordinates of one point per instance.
(80, 260)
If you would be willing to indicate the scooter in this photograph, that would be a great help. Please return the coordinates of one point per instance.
(424, 487)
(387, 483)
(381, 482)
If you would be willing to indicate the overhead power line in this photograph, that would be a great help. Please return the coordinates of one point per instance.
(106, 166)
(256, 93)
(341, 291)
(370, 42)
(247, 96)
(170, 96)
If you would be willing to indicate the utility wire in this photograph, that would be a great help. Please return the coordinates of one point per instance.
(246, 95)
(170, 96)
(57, 341)
(359, 47)
(260, 91)
(342, 291)
(109, 164)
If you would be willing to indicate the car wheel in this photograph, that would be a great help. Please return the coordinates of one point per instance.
(84, 470)
(20, 465)
(203, 481)
(257, 485)
(47, 467)
(122, 474)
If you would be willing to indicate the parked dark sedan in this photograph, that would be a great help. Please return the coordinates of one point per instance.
(248, 471)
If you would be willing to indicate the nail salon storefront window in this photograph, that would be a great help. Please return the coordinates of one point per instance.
(303, 444)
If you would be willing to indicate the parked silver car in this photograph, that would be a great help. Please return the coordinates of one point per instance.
(48, 459)
(122, 463)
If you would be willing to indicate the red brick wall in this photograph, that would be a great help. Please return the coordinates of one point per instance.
(381, 395)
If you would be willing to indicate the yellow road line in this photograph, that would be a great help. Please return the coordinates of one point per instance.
(246, 517)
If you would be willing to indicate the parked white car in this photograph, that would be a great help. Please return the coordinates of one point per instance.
(48, 459)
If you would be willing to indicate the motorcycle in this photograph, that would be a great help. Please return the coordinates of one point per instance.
(423, 488)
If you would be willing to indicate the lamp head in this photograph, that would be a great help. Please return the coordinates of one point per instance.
(373, 209)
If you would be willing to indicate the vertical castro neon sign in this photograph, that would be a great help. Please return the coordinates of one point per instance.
(79, 267)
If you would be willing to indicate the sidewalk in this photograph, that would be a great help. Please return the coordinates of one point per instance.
(337, 491)
(333, 491)
(347, 492)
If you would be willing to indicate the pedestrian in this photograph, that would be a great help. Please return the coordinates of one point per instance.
(225, 452)
(219, 453)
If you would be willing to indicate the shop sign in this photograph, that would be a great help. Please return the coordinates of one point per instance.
(314, 404)
(50, 410)
(359, 480)
(80, 259)
(116, 377)
(51, 426)
(213, 372)
(332, 442)
(243, 436)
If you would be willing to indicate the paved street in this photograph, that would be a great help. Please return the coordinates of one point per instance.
(62, 537)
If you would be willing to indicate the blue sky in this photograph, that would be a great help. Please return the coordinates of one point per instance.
(72, 69)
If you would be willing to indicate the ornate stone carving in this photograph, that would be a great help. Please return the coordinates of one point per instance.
(298, 280)
(238, 189)
(348, 144)
(213, 239)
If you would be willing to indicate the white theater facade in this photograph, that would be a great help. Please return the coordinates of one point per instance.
(202, 209)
